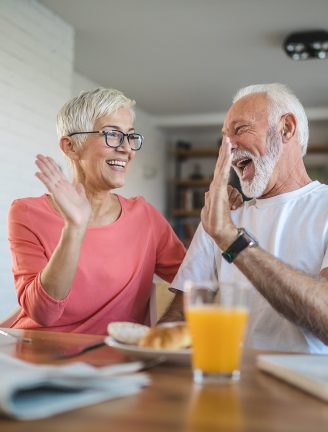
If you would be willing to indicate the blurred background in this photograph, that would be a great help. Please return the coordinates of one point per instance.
(182, 61)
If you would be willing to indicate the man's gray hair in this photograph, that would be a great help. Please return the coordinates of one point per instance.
(281, 101)
(80, 113)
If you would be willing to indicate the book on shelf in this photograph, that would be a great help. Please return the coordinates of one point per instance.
(190, 199)
(189, 230)
(309, 372)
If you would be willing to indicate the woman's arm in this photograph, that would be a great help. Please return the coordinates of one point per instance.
(57, 276)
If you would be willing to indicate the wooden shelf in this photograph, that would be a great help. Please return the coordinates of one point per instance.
(194, 153)
(188, 194)
(189, 182)
(317, 149)
(186, 213)
(214, 151)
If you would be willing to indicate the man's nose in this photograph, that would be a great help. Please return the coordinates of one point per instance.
(234, 144)
(232, 140)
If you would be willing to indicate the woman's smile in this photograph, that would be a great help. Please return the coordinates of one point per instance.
(117, 164)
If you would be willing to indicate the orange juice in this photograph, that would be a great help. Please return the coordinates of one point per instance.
(217, 333)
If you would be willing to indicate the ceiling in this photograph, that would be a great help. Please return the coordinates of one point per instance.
(188, 57)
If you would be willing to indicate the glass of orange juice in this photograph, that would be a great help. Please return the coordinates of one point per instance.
(217, 316)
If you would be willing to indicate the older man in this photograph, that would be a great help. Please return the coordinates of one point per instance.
(283, 254)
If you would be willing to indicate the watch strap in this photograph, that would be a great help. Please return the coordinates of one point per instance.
(243, 241)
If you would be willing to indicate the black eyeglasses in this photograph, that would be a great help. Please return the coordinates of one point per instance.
(114, 138)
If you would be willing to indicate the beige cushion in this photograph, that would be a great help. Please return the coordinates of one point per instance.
(163, 297)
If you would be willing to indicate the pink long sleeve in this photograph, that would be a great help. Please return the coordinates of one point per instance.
(115, 271)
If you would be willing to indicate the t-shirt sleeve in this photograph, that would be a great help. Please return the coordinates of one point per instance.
(28, 260)
(199, 263)
(170, 251)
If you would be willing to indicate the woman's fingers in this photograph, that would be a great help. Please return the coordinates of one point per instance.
(47, 165)
(80, 190)
(45, 180)
(49, 170)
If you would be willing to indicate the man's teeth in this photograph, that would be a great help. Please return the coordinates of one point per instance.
(116, 163)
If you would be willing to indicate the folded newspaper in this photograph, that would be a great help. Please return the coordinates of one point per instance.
(29, 391)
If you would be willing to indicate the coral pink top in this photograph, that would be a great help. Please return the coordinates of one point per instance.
(115, 271)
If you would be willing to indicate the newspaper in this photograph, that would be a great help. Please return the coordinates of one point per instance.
(29, 391)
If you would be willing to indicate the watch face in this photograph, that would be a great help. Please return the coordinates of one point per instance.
(247, 235)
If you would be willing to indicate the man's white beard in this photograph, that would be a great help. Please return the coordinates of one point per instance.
(264, 166)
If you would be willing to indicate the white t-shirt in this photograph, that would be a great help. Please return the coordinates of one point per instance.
(291, 226)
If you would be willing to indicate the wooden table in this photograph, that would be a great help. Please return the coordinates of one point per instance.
(172, 402)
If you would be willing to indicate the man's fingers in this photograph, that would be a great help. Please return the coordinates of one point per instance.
(236, 201)
(223, 164)
(235, 197)
(206, 198)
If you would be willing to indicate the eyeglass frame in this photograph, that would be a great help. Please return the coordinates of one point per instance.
(105, 133)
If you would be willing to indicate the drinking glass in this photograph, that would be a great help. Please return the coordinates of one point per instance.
(217, 316)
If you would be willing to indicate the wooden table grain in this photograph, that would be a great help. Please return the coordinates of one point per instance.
(258, 402)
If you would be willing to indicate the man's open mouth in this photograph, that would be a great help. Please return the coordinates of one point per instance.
(241, 164)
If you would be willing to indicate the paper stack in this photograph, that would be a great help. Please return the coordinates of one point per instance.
(30, 391)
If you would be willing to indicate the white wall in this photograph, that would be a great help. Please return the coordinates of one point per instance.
(146, 176)
(36, 63)
(36, 78)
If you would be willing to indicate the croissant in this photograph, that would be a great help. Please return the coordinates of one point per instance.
(167, 337)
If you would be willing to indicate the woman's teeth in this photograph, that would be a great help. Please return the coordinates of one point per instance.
(116, 163)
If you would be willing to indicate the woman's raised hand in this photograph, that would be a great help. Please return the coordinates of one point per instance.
(70, 199)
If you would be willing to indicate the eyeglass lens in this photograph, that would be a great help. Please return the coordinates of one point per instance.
(116, 138)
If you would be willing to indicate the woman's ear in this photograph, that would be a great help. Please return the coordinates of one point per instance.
(288, 127)
(69, 147)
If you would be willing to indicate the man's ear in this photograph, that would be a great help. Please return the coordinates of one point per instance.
(69, 147)
(288, 126)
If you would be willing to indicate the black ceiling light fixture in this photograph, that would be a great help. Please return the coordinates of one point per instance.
(307, 45)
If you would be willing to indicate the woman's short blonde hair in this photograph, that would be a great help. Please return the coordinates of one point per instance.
(80, 113)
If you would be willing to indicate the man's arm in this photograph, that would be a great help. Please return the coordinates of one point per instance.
(174, 311)
(300, 298)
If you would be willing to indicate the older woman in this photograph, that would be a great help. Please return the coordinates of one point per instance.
(82, 255)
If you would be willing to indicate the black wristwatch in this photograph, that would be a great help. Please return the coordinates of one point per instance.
(244, 240)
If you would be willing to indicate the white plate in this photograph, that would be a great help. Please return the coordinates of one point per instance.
(181, 356)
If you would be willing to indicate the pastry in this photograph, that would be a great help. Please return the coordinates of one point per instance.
(175, 336)
(127, 332)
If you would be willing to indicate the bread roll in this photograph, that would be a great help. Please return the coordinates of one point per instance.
(167, 337)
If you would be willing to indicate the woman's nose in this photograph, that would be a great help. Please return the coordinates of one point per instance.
(125, 146)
